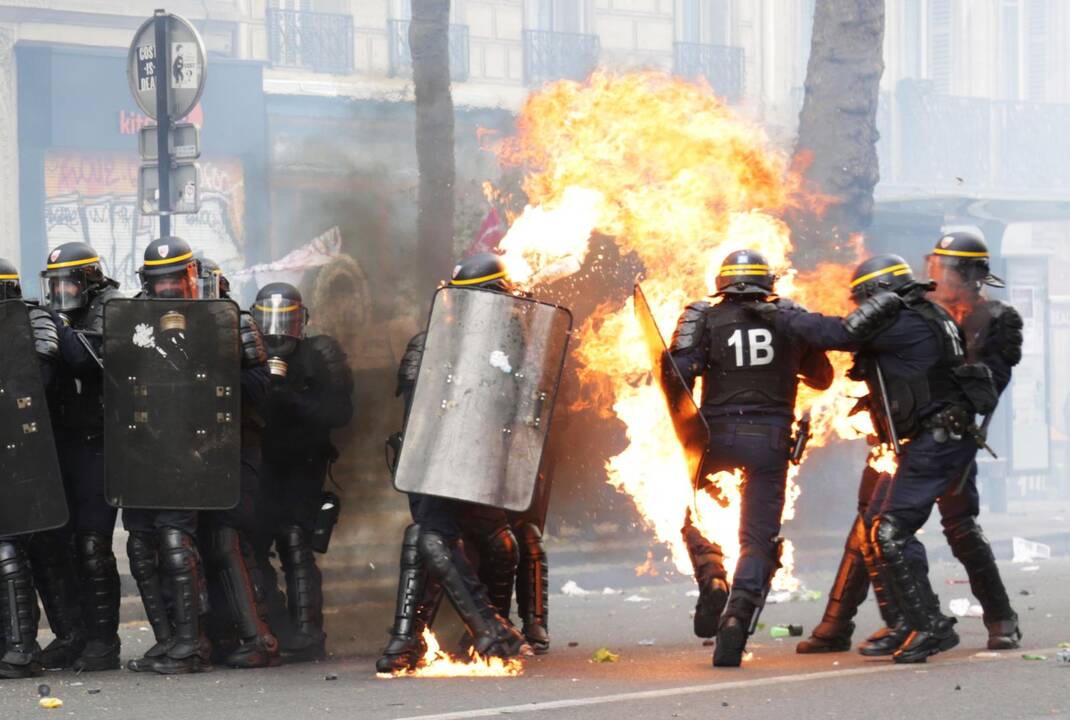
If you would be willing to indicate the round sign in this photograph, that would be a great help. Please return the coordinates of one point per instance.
(182, 65)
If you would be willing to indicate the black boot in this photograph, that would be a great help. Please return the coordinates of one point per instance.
(190, 651)
(417, 602)
(533, 588)
(143, 550)
(930, 632)
(889, 638)
(18, 613)
(100, 602)
(492, 635)
(833, 634)
(708, 563)
(738, 622)
(498, 560)
(258, 647)
(971, 548)
(54, 575)
(304, 595)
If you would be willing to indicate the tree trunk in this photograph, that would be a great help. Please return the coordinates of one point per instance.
(837, 142)
(429, 40)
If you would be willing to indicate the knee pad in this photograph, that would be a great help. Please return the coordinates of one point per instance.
(965, 536)
(176, 551)
(141, 548)
(435, 553)
(95, 555)
(410, 553)
(293, 546)
(12, 559)
(530, 539)
(225, 544)
(503, 554)
(887, 536)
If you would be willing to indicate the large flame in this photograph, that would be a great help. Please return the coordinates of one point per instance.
(437, 663)
(664, 167)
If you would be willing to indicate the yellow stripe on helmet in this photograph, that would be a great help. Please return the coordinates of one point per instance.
(744, 267)
(285, 308)
(732, 273)
(71, 263)
(900, 269)
(960, 253)
(476, 281)
(9, 277)
(169, 261)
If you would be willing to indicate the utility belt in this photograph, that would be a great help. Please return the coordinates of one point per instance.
(952, 423)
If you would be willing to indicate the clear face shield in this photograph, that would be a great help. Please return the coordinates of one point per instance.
(180, 285)
(64, 292)
(282, 321)
(210, 284)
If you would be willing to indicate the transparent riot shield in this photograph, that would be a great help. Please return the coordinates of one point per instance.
(691, 428)
(31, 487)
(483, 398)
(172, 404)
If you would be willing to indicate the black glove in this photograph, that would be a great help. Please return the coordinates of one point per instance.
(873, 315)
(253, 352)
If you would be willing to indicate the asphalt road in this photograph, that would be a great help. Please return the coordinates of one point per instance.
(662, 671)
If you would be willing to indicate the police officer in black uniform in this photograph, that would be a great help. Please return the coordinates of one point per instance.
(433, 556)
(311, 394)
(75, 289)
(924, 396)
(750, 377)
(19, 614)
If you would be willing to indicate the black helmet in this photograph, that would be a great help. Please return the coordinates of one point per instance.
(881, 273)
(967, 254)
(214, 283)
(72, 273)
(166, 260)
(485, 270)
(745, 272)
(10, 287)
(281, 315)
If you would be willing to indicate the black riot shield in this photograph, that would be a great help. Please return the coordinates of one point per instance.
(172, 404)
(483, 397)
(691, 428)
(31, 487)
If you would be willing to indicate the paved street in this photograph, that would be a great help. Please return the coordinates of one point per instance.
(667, 679)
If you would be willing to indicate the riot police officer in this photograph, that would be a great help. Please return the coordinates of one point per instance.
(924, 396)
(75, 288)
(750, 377)
(310, 395)
(19, 614)
(433, 557)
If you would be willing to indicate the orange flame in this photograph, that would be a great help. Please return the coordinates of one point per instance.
(437, 663)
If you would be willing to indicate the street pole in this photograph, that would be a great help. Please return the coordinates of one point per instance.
(163, 120)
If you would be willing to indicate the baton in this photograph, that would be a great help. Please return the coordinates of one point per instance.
(887, 408)
(89, 348)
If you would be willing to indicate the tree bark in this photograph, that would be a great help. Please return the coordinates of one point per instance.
(836, 147)
(429, 40)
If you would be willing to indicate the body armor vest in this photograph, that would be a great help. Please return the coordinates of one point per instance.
(80, 399)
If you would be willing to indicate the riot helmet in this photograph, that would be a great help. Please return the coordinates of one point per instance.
(483, 270)
(281, 314)
(170, 270)
(880, 274)
(10, 286)
(965, 253)
(745, 272)
(71, 275)
(214, 283)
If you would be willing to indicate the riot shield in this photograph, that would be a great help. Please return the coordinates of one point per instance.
(484, 397)
(172, 404)
(31, 487)
(691, 428)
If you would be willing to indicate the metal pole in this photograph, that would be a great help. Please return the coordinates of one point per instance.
(163, 119)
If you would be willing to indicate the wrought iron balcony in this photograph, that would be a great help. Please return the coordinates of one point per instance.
(550, 56)
(401, 53)
(722, 66)
(319, 41)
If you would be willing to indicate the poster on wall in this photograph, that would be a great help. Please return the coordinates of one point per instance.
(91, 196)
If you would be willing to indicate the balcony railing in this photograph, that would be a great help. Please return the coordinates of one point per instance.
(722, 66)
(401, 53)
(318, 41)
(550, 56)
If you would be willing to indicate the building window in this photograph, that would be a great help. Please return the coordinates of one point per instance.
(940, 45)
(558, 15)
(708, 22)
(1037, 50)
(315, 35)
(1009, 49)
(910, 47)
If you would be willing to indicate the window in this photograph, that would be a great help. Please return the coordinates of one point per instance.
(910, 47)
(705, 21)
(1009, 49)
(940, 45)
(1037, 50)
(559, 15)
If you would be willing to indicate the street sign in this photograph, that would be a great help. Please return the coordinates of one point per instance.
(183, 59)
(185, 142)
(185, 188)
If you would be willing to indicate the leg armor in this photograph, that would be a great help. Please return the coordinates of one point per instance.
(18, 613)
(848, 592)
(739, 621)
(100, 602)
(57, 584)
(971, 548)
(143, 551)
(498, 566)
(492, 635)
(533, 588)
(190, 652)
(258, 648)
(888, 639)
(417, 603)
(304, 592)
(708, 562)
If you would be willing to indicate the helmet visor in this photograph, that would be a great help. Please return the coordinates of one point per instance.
(179, 285)
(210, 285)
(279, 316)
(63, 291)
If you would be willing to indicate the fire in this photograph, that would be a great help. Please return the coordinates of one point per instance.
(664, 167)
(437, 663)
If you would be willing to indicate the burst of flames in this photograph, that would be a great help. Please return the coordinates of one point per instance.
(669, 171)
(437, 663)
